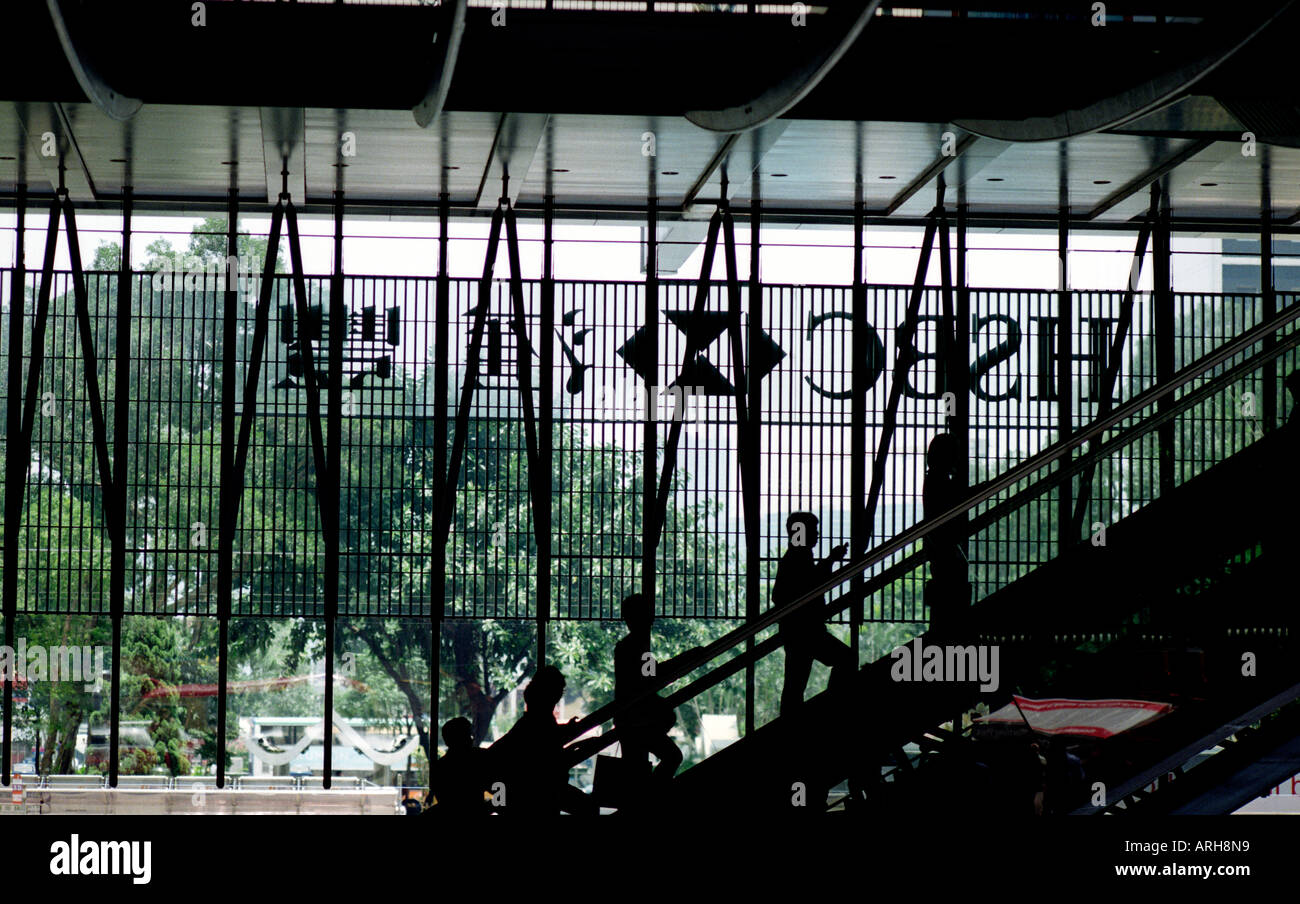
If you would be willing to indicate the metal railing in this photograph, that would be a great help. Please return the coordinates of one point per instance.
(388, 454)
(1058, 454)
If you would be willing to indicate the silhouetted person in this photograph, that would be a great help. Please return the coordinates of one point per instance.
(460, 777)
(1292, 384)
(531, 757)
(644, 729)
(949, 590)
(1064, 781)
(804, 631)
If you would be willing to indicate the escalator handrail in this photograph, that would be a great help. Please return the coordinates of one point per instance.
(689, 662)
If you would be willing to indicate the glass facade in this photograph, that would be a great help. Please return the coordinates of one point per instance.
(485, 618)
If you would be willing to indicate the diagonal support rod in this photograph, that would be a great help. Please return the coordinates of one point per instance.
(309, 369)
(261, 320)
(541, 494)
(692, 351)
(748, 484)
(471, 380)
(1115, 354)
(98, 425)
(905, 358)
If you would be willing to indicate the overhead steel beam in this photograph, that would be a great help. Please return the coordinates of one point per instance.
(720, 156)
(1143, 181)
(47, 130)
(927, 175)
(779, 98)
(1140, 100)
(114, 105)
(518, 139)
(427, 111)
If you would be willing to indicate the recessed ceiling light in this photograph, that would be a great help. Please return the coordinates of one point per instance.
(889, 177)
(996, 179)
(1101, 182)
(669, 172)
(1208, 184)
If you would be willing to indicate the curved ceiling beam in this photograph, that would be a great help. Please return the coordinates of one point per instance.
(115, 106)
(1112, 112)
(779, 98)
(426, 112)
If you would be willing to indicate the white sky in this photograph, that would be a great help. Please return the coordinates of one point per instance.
(804, 255)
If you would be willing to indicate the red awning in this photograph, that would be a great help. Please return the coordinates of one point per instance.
(1088, 718)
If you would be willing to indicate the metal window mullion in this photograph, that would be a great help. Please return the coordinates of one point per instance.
(859, 529)
(650, 432)
(1269, 399)
(1064, 360)
(753, 441)
(225, 540)
(121, 417)
(441, 366)
(543, 481)
(15, 477)
(1163, 327)
(962, 389)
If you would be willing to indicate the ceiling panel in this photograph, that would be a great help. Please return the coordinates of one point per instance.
(607, 160)
(195, 153)
(392, 158)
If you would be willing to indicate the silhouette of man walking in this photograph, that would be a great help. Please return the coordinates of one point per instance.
(644, 729)
(949, 591)
(804, 631)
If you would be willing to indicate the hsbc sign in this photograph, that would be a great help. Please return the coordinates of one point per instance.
(1004, 338)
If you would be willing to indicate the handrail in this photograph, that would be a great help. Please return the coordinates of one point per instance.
(689, 662)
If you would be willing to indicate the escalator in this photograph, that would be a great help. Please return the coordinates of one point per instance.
(1185, 602)
(1096, 622)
